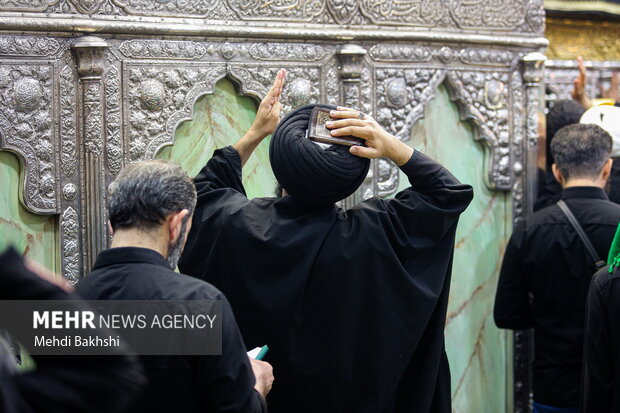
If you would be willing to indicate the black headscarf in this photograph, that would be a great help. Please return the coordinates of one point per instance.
(309, 173)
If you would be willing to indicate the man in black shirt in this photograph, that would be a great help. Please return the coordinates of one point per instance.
(601, 364)
(61, 384)
(547, 269)
(150, 209)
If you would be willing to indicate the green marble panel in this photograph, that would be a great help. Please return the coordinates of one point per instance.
(220, 119)
(34, 235)
(476, 348)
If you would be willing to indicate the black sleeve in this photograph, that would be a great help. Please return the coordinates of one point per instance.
(512, 307)
(229, 377)
(220, 178)
(598, 355)
(62, 383)
(422, 214)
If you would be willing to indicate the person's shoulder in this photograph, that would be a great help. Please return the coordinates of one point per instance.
(547, 215)
(197, 289)
(602, 278)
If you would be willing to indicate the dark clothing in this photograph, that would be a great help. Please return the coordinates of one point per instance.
(601, 361)
(550, 190)
(544, 282)
(177, 383)
(61, 384)
(614, 182)
(351, 303)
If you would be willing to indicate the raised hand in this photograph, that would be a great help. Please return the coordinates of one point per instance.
(268, 114)
(579, 86)
(379, 143)
(267, 118)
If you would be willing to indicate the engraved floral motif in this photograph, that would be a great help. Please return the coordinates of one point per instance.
(93, 141)
(488, 14)
(114, 152)
(401, 52)
(407, 12)
(292, 10)
(69, 192)
(152, 95)
(162, 49)
(288, 51)
(68, 155)
(518, 128)
(28, 46)
(70, 245)
(26, 128)
(492, 122)
(159, 99)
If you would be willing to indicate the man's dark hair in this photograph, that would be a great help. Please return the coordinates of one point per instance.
(580, 151)
(145, 193)
(562, 113)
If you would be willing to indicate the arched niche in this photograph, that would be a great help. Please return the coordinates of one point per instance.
(219, 119)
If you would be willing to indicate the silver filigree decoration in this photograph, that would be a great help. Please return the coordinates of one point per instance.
(93, 141)
(331, 83)
(411, 12)
(401, 52)
(286, 51)
(114, 152)
(256, 81)
(159, 98)
(492, 122)
(194, 8)
(25, 5)
(413, 86)
(483, 14)
(26, 111)
(68, 154)
(162, 49)
(28, 46)
(69, 192)
(70, 245)
(291, 10)
(518, 111)
(491, 57)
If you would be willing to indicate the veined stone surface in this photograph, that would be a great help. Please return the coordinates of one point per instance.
(477, 350)
(36, 236)
(219, 120)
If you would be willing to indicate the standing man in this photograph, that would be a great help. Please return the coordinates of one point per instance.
(547, 267)
(106, 383)
(601, 364)
(352, 303)
(150, 208)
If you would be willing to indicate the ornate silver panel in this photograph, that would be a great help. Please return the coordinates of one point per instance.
(560, 74)
(76, 119)
(26, 128)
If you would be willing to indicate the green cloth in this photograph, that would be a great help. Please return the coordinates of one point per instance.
(613, 259)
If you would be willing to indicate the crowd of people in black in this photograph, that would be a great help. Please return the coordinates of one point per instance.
(546, 280)
(352, 302)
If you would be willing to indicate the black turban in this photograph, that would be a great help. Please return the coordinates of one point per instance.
(309, 173)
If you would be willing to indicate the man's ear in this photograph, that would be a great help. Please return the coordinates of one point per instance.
(557, 174)
(607, 169)
(110, 229)
(175, 223)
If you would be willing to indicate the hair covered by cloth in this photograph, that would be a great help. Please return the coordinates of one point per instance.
(310, 173)
(145, 193)
(580, 151)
